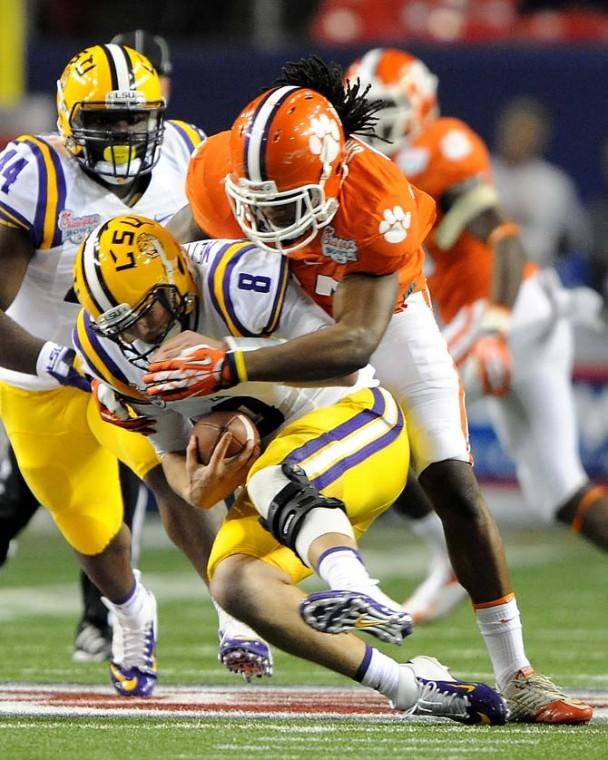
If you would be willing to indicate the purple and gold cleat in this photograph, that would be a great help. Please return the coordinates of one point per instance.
(344, 611)
(443, 696)
(245, 656)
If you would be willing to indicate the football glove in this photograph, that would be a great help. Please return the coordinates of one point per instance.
(114, 410)
(198, 371)
(490, 352)
(63, 365)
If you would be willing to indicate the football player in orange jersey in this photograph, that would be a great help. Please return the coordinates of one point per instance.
(506, 324)
(294, 177)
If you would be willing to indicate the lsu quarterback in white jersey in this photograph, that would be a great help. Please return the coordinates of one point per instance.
(113, 152)
(332, 462)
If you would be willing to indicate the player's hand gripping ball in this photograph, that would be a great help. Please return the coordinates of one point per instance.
(210, 428)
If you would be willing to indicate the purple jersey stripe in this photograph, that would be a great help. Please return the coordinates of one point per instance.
(103, 354)
(226, 291)
(38, 226)
(211, 277)
(61, 192)
(359, 420)
(339, 468)
(190, 146)
(87, 358)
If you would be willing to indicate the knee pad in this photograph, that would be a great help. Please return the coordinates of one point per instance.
(292, 503)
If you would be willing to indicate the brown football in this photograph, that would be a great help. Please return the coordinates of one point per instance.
(210, 428)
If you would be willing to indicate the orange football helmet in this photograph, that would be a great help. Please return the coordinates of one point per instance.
(286, 154)
(408, 88)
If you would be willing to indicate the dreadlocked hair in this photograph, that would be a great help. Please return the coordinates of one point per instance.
(356, 113)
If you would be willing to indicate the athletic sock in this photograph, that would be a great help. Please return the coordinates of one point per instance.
(388, 677)
(341, 567)
(133, 604)
(501, 628)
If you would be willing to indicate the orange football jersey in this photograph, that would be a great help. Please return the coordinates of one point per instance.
(446, 154)
(378, 228)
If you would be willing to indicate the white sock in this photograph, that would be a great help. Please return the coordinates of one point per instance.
(342, 568)
(379, 672)
(500, 626)
(134, 604)
(396, 682)
(430, 529)
(232, 626)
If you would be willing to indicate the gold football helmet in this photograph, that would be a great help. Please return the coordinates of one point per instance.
(111, 111)
(125, 267)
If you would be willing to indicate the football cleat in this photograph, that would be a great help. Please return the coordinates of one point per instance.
(534, 698)
(133, 665)
(344, 611)
(443, 696)
(245, 656)
(93, 642)
(436, 597)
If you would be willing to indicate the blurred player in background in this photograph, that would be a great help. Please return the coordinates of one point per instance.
(113, 152)
(93, 638)
(300, 183)
(314, 488)
(507, 326)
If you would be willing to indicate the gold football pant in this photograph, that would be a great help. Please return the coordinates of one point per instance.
(356, 450)
(67, 455)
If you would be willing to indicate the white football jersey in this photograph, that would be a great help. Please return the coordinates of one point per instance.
(246, 295)
(44, 192)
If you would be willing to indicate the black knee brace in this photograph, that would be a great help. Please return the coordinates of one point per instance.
(291, 505)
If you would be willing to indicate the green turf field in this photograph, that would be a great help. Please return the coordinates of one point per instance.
(562, 594)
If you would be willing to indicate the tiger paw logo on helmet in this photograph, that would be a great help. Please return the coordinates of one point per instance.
(395, 224)
(325, 140)
(149, 245)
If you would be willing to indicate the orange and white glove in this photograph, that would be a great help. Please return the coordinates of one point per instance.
(115, 411)
(197, 371)
(490, 352)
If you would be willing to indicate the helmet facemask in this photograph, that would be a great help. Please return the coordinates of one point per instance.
(117, 323)
(282, 221)
(117, 144)
(393, 125)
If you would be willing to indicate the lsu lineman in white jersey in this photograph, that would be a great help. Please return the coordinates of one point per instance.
(46, 194)
(113, 151)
